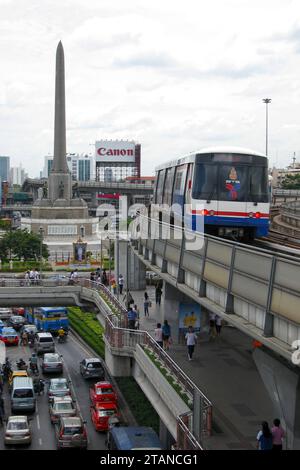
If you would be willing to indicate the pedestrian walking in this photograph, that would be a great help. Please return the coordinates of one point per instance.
(27, 278)
(158, 293)
(114, 287)
(71, 278)
(131, 315)
(191, 340)
(166, 330)
(218, 324)
(121, 283)
(158, 335)
(264, 437)
(36, 277)
(212, 325)
(2, 410)
(278, 435)
(137, 321)
(104, 278)
(146, 304)
(24, 338)
(31, 276)
(75, 276)
(92, 276)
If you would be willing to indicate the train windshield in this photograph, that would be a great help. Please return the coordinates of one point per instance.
(230, 182)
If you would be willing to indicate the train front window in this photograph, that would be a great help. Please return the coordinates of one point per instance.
(205, 182)
(233, 183)
(258, 177)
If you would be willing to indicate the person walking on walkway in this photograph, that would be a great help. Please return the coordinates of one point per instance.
(212, 326)
(264, 437)
(278, 434)
(218, 324)
(146, 304)
(137, 320)
(191, 340)
(158, 335)
(158, 293)
(121, 283)
(166, 330)
(131, 315)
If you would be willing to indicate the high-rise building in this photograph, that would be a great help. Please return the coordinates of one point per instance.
(80, 166)
(4, 168)
(117, 159)
(17, 175)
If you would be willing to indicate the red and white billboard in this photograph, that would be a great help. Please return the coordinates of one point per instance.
(115, 151)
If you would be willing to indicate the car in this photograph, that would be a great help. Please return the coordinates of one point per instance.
(58, 388)
(71, 432)
(5, 313)
(18, 311)
(9, 336)
(61, 407)
(91, 368)
(102, 392)
(44, 343)
(17, 431)
(101, 413)
(16, 321)
(16, 373)
(27, 328)
(52, 363)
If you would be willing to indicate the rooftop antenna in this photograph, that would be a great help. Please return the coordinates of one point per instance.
(294, 159)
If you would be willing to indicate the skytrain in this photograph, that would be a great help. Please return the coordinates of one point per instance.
(225, 190)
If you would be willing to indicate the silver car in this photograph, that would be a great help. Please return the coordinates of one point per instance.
(62, 407)
(92, 368)
(52, 363)
(17, 431)
(58, 388)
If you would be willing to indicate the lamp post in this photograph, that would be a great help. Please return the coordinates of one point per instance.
(41, 230)
(267, 101)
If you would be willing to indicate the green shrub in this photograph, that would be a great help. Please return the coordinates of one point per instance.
(88, 327)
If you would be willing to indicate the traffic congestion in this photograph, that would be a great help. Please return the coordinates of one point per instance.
(55, 393)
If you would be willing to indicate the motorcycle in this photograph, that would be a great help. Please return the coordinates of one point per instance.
(34, 368)
(21, 364)
(62, 339)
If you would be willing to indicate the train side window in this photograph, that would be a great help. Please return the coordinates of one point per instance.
(167, 198)
(178, 191)
(160, 186)
(188, 189)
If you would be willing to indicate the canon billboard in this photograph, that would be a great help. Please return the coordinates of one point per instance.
(117, 151)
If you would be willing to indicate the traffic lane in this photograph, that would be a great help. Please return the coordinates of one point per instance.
(42, 430)
(73, 353)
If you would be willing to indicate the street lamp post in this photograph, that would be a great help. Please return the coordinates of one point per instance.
(267, 101)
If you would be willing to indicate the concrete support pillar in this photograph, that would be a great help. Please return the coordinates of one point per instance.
(136, 269)
(171, 300)
(283, 385)
(165, 436)
(118, 366)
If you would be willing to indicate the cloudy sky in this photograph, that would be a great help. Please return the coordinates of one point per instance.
(175, 76)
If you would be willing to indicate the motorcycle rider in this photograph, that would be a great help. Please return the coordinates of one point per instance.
(61, 334)
(21, 364)
(33, 362)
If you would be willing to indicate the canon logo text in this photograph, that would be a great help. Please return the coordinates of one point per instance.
(115, 152)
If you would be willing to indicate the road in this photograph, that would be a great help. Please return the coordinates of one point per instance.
(42, 430)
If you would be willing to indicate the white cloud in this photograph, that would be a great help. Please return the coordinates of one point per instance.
(174, 75)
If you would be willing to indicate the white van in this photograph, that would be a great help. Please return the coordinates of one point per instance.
(44, 343)
(22, 394)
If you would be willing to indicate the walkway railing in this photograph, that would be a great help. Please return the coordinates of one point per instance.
(124, 338)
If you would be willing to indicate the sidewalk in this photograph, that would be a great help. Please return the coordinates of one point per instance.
(224, 370)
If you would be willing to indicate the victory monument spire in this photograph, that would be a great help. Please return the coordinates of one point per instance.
(60, 180)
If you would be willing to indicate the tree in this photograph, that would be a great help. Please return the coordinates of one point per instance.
(291, 182)
(22, 244)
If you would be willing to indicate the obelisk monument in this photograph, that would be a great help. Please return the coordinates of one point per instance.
(60, 179)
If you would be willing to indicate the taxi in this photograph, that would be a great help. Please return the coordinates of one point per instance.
(101, 413)
(16, 373)
(103, 392)
(9, 336)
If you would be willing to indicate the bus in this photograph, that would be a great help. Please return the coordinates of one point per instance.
(49, 319)
(133, 438)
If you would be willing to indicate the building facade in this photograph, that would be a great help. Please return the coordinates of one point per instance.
(117, 160)
(17, 175)
(4, 168)
(81, 166)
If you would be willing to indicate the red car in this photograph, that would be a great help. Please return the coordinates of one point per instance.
(9, 336)
(100, 414)
(103, 392)
(19, 311)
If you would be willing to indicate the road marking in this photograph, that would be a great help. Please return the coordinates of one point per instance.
(40, 442)
(38, 422)
(75, 340)
(36, 407)
(71, 385)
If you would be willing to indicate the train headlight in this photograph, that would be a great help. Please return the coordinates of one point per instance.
(257, 215)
